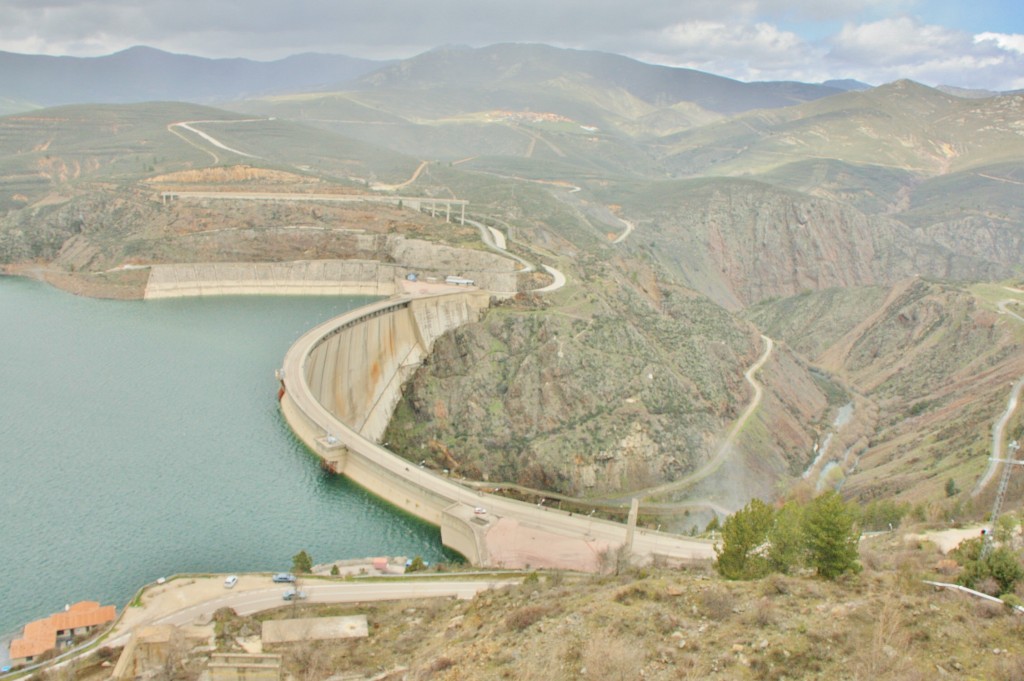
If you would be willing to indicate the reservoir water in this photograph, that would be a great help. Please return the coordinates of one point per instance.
(142, 439)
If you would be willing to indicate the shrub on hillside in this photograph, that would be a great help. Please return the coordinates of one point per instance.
(996, 570)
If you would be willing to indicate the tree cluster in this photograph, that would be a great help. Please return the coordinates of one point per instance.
(993, 570)
(759, 539)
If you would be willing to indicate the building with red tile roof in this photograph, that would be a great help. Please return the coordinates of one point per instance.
(60, 629)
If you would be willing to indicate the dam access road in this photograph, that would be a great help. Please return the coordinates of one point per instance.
(340, 382)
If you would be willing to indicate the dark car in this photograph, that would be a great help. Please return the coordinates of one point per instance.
(284, 577)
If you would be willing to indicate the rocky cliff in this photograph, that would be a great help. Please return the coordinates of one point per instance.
(741, 242)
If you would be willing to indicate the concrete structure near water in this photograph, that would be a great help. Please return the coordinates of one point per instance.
(314, 629)
(340, 382)
(337, 277)
(312, 277)
(150, 647)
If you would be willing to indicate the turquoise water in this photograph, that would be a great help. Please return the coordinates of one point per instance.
(142, 439)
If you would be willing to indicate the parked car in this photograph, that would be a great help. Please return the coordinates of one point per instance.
(284, 577)
(292, 595)
(230, 582)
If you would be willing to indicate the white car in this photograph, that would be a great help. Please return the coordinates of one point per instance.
(230, 582)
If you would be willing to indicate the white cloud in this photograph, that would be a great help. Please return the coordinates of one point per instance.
(895, 41)
(1013, 42)
(903, 47)
(745, 51)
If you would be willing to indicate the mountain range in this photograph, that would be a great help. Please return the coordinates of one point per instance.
(141, 74)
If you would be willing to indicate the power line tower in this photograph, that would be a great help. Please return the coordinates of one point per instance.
(1004, 481)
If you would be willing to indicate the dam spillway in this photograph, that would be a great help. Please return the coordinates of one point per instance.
(340, 382)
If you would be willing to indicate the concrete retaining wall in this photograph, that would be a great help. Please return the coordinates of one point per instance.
(304, 277)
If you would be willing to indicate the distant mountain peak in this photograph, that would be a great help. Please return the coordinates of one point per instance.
(847, 84)
(141, 73)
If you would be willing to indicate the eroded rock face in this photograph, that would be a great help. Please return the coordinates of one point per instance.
(742, 242)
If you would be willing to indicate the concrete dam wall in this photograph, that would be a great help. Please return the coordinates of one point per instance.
(356, 372)
(398, 257)
(313, 277)
(340, 383)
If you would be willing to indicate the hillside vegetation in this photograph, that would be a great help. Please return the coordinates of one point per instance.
(653, 623)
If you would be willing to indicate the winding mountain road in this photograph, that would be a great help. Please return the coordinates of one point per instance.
(188, 125)
(724, 450)
(703, 472)
(999, 430)
(998, 435)
(629, 230)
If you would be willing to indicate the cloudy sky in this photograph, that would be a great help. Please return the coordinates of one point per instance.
(967, 43)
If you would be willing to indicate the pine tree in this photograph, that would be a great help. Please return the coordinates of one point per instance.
(302, 562)
(786, 538)
(743, 554)
(831, 536)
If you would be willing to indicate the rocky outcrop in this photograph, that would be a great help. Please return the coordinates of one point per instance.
(742, 242)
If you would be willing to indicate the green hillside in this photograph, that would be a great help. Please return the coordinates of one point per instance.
(902, 125)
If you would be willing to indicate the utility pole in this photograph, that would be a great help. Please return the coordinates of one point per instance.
(1004, 481)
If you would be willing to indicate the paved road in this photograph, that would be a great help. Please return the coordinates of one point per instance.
(1003, 309)
(998, 435)
(999, 431)
(249, 601)
(558, 283)
(629, 230)
(187, 125)
(487, 236)
(725, 449)
(412, 178)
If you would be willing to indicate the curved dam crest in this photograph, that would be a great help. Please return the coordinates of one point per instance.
(340, 383)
